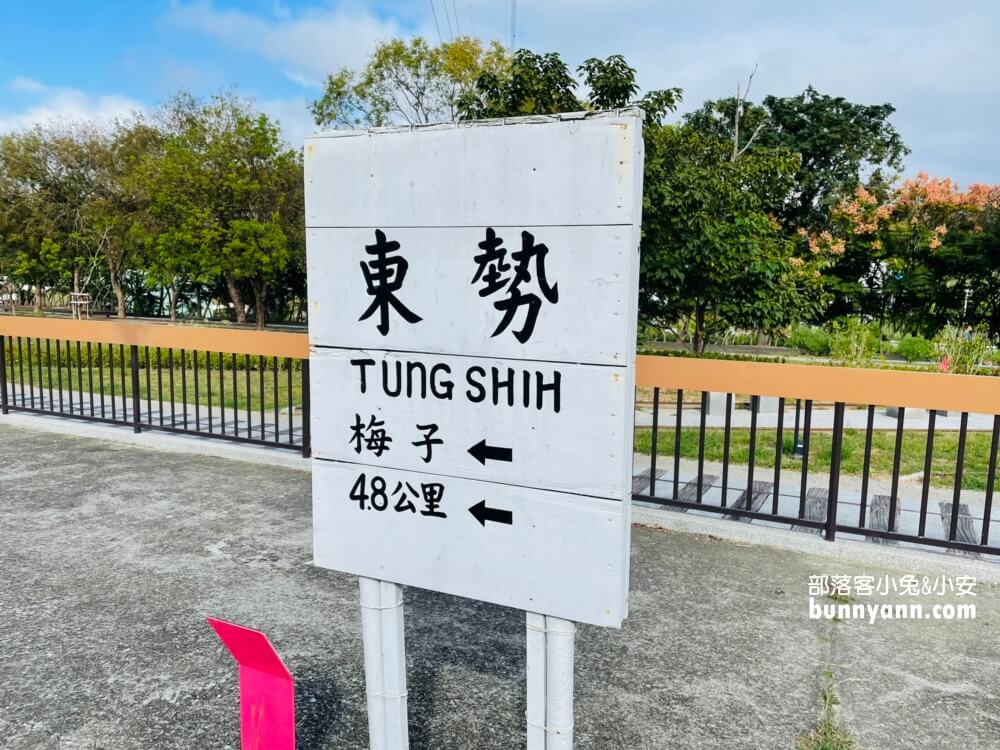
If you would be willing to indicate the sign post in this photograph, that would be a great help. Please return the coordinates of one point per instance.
(472, 302)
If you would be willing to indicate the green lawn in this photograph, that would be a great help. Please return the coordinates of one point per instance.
(183, 387)
(853, 454)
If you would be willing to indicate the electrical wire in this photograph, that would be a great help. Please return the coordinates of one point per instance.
(447, 17)
(436, 25)
(513, 25)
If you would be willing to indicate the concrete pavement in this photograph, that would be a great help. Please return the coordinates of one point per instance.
(113, 556)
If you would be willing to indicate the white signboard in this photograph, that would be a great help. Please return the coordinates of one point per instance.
(473, 294)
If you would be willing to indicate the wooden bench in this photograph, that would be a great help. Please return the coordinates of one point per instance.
(878, 518)
(762, 491)
(640, 482)
(688, 492)
(817, 498)
(965, 529)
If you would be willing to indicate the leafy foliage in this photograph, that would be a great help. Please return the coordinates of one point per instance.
(853, 343)
(810, 340)
(967, 351)
(923, 254)
(410, 83)
(758, 216)
(534, 84)
(43, 189)
(221, 192)
(839, 144)
(838, 141)
(916, 349)
(710, 250)
(541, 84)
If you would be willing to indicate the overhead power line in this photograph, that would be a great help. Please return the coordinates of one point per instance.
(447, 17)
(436, 24)
(513, 25)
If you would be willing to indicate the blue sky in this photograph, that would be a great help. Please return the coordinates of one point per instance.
(937, 62)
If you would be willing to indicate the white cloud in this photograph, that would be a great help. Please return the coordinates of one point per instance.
(53, 104)
(293, 115)
(936, 64)
(26, 85)
(307, 45)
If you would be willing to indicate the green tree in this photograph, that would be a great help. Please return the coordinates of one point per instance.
(114, 217)
(841, 144)
(923, 254)
(839, 141)
(532, 84)
(407, 82)
(42, 192)
(712, 255)
(982, 269)
(541, 84)
(223, 197)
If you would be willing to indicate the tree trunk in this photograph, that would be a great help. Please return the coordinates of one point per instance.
(260, 295)
(116, 285)
(234, 295)
(39, 298)
(75, 309)
(699, 329)
(173, 302)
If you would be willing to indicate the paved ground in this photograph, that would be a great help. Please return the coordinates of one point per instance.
(112, 556)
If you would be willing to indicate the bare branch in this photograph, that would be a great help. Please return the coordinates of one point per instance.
(740, 99)
(750, 141)
(736, 123)
(750, 81)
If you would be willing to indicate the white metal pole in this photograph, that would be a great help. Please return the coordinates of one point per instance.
(394, 666)
(559, 654)
(535, 669)
(371, 634)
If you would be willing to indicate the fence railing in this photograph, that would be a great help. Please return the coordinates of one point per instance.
(888, 456)
(238, 385)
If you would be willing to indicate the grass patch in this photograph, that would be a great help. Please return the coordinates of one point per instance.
(943, 463)
(182, 387)
(828, 734)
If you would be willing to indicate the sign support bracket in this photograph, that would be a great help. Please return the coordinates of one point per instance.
(385, 663)
(550, 658)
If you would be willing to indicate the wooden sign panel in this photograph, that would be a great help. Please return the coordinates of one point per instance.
(472, 302)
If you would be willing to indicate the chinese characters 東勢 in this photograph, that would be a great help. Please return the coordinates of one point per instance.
(384, 275)
(492, 273)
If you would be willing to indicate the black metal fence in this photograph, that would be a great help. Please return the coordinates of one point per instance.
(824, 467)
(221, 395)
(828, 469)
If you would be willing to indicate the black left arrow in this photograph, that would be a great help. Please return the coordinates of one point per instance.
(484, 514)
(481, 452)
